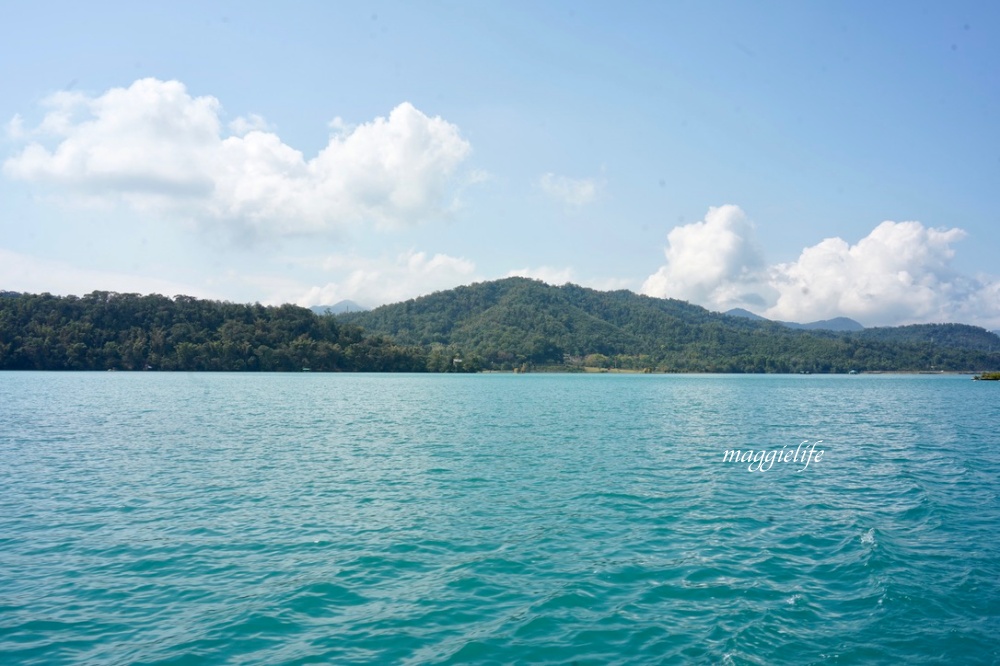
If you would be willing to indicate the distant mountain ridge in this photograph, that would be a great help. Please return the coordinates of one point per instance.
(835, 324)
(517, 322)
(339, 307)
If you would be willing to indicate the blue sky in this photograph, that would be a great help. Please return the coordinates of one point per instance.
(801, 160)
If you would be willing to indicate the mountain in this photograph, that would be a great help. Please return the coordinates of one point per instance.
(514, 322)
(835, 324)
(338, 308)
(740, 312)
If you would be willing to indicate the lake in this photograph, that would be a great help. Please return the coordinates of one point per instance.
(151, 518)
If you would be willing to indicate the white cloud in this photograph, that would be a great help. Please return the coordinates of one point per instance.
(900, 273)
(25, 273)
(547, 274)
(573, 192)
(244, 125)
(157, 148)
(373, 282)
(560, 276)
(340, 127)
(15, 128)
(715, 262)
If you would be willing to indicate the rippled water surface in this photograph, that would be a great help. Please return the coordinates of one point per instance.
(237, 518)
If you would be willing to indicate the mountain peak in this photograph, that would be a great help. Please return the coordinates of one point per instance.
(740, 312)
(339, 307)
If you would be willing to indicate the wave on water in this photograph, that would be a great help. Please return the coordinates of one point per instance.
(432, 520)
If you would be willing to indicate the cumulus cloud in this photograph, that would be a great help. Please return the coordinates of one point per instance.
(547, 274)
(573, 192)
(246, 124)
(156, 147)
(373, 282)
(15, 128)
(715, 262)
(899, 273)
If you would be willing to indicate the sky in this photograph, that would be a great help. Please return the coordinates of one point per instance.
(800, 160)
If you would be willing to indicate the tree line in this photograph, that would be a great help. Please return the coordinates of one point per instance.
(509, 324)
(114, 331)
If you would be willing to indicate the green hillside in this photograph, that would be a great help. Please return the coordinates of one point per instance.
(112, 331)
(518, 322)
(945, 335)
(514, 323)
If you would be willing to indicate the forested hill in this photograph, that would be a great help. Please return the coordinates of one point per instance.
(514, 322)
(945, 335)
(112, 331)
(504, 324)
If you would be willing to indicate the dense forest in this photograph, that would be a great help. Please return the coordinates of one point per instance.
(515, 323)
(522, 323)
(112, 331)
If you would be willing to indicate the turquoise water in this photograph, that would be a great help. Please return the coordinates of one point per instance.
(409, 519)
